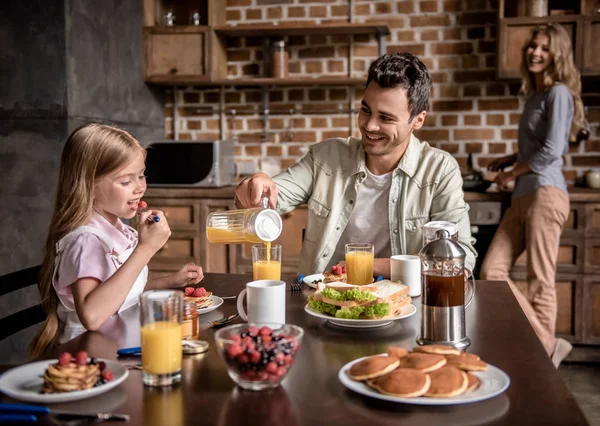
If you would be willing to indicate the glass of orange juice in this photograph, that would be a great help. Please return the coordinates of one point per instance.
(160, 316)
(359, 263)
(266, 262)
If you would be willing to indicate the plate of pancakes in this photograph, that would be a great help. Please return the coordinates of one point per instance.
(210, 305)
(429, 375)
(27, 381)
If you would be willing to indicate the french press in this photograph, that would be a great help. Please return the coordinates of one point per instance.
(443, 293)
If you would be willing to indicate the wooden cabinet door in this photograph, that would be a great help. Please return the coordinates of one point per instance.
(176, 54)
(514, 32)
(591, 52)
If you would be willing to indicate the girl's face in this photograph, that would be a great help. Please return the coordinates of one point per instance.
(117, 195)
(538, 54)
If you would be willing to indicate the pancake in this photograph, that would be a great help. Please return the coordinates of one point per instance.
(437, 349)
(467, 362)
(474, 382)
(447, 382)
(423, 362)
(373, 366)
(72, 377)
(398, 352)
(402, 382)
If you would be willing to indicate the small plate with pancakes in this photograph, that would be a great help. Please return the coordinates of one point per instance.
(25, 383)
(210, 305)
(430, 375)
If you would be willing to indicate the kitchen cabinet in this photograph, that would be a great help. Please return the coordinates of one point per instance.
(580, 19)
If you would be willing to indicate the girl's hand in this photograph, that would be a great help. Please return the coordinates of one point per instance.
(188, 275)
(501, 163)
(153, 235)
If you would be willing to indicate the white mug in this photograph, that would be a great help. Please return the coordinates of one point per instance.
(407, 268)
(266, 302)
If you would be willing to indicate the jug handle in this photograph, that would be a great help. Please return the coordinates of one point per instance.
(469, 289)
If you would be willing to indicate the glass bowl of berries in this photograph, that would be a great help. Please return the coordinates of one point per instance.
(258, 356)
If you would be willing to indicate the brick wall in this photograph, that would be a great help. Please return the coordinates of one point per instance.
(471, 111)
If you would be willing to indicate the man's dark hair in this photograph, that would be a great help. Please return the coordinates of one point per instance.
(406, 71)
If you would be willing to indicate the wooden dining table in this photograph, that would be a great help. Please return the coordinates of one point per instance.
(312, 394)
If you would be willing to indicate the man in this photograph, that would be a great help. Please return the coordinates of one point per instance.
(379, 189)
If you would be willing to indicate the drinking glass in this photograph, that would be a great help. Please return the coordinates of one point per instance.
(359, 263)
(266, 262)
(160, 316)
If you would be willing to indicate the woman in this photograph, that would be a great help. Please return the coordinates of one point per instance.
(540, 201)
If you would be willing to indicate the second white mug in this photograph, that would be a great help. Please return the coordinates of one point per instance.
(266, 302)
(407, 268)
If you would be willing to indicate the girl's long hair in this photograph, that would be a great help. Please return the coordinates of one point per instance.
(561, 70)
(91, 152)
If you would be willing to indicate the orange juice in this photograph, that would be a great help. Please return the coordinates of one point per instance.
(161, 347)
(266, 270)
(230, 236)
(359, 267)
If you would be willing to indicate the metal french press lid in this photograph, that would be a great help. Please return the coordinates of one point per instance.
(442, 248)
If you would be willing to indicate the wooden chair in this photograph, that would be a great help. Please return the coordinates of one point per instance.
(27, 317)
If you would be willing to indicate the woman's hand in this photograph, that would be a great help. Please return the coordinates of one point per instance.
(503, 179)
(502, 163)
(153, 235)
(188, 275)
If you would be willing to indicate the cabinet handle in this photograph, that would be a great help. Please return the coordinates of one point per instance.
(173, 70)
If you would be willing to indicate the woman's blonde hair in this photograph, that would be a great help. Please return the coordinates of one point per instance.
(562, 70)
(91, 152)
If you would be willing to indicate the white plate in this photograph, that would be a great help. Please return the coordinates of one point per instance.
(493, 382)
(308, 280)
(24, 383)
(216, 302)
(407, 311)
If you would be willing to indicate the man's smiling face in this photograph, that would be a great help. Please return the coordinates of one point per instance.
(384, 120)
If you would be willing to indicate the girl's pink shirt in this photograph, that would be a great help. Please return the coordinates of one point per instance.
(85, 257)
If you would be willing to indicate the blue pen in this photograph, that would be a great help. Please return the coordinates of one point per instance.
(300, 278)
(153, 218)
(17, 418)
(135, 351)
(379, 278)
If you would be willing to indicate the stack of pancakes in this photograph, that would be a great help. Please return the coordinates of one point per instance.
(436, 371)
(71, 377)
(201, 302)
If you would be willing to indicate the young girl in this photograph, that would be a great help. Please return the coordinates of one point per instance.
(540, 202)
(95, 265)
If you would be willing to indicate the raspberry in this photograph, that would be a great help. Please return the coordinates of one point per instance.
(262, 376)
(64, 359)
(254, 357)
(343, 269)
(280, 371)
(189, 291)
(236, 338)
(264, 331)
(81, 358)
(243, 359)
(200, 292)
(279, 357)
(234, 350)
(142, 204)
(271, 367)
(107, 375)
(266, 339)
(253, 331)
(288, 360)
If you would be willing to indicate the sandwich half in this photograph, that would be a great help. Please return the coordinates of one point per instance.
(379, 300)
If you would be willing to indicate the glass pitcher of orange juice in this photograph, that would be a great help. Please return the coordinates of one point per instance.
(254, 225)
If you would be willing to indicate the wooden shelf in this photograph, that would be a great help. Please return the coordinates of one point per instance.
(525, 20)
(300, 29)
(292, 81)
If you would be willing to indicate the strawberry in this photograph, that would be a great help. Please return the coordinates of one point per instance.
(271, 367)
(234, 350)
(267, 339)
(264, 331)
(254, 357)
(253, 330)
(281, 371)
(189, 291)
(81, 358)
(64, 359)
(200, 292)
(107, 375)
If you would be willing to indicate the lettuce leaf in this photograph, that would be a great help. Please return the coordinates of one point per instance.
(353, 294)
(325, 308)
(377, 311)
(350, 313)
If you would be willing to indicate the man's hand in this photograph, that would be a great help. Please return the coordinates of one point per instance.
(250, 190)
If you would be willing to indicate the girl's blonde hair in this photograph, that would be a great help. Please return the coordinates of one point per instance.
(562, 70)
(91, 152)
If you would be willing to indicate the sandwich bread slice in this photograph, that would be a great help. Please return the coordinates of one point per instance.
(379, 300)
